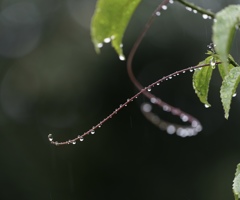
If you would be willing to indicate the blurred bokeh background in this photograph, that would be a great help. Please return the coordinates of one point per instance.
(52, 81)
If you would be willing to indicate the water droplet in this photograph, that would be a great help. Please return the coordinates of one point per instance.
(171, 1)
(177, 74)
(170, 77)
(158, 83)
(93, 132)
(207, 106)
(99, 126)
(194, 123)
(158, 13)
(146, 107)
(234, 95)
(122, 57)
(100, 45)
(209, 17)
(149, 89)
(212, 64)
(50, 137)
(171, 129)
(153, 100)
(195, 11)
(188, 8)
(166, 108)
(107, 40)
(198, 128)
(191, 70)
(80, 138)
(184, 118)
(164, 7)
(73, 142)
(204, 16)
(183, 72)
(121, 45)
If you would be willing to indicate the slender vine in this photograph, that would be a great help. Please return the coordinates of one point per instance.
(181, 130)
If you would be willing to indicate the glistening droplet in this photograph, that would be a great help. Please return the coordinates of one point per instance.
(50, 137)
(107, 40)
(100, 45)
(164, 7)
(207, 106)
(204, 16)
(122, 57)
(158, 13)
(80, 138)
(188, 8)
(146, 107)
(171, 129)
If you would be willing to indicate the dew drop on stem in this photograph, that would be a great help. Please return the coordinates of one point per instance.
(204, 16)
(171, 1)
(164, 7)
(158, 13)
(188, 8)
(234, 95)
(50, 137)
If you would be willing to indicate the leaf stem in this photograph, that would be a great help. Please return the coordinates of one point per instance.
(232, 61)
(197, 8)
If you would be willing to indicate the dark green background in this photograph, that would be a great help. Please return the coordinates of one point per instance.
(52, 81)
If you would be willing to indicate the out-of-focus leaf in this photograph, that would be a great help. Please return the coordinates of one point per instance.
(109, 22)
(223, 30)
(201, 80)
(228, 88)
(236, 183)
(224, 70)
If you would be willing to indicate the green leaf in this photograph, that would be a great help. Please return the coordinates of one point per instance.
(109, 22)
(223, 30)
(236, 183)
(201, 80)
(228, 88)
(224, 70)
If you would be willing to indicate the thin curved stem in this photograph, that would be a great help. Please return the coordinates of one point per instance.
(197, 8)
(195, 124)
(149, 115)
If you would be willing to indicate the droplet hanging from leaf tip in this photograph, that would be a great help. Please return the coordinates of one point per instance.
(122, 57)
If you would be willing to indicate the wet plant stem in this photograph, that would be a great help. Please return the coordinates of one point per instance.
(197, 8)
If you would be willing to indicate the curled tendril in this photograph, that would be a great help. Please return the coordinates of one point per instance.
(171, 128)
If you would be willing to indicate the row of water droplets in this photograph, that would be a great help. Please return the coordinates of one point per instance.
(171, 128)
(108, 40)
(204, 16)
(164, 7)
